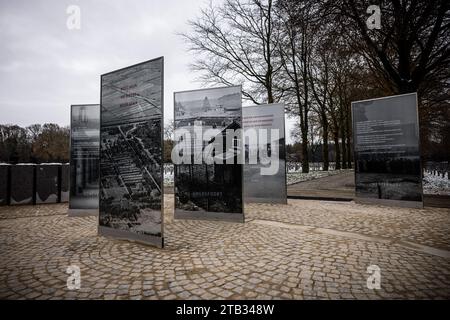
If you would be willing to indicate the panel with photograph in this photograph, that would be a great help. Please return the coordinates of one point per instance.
(131, 152)
(210, 191)
(84, 156)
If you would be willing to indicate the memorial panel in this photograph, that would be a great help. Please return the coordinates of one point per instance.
(84, 159)
(131, 167)
(265, 160)
(208, 172)
(435, 147)
(386, 150)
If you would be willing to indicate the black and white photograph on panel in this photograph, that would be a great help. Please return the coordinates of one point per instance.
(47, 182)
(208, 138)
(131, 166)
(387, 155)
(84, 158)
(265, 156)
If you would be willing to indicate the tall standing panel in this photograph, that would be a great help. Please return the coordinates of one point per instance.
(208, 189)
(4, 183)
(265, 159)
(47, 184)
(84, 159)
(23, 184)
(387, 151)
(131, 162)
(435, 150)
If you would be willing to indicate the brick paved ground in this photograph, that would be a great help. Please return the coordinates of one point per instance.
(306, 250)
(340, 185)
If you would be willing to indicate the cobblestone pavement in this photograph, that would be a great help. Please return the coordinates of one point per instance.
(305, 250)
(429, 226)
(32, 211)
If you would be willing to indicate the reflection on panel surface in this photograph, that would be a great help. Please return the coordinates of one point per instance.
(131, 152)
(209, 191)
(22, 183)
(65, 179)
(260, 187)
(4, 183)
(387, 155)
(84, 156)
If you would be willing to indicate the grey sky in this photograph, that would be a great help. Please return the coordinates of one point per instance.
(45, 67)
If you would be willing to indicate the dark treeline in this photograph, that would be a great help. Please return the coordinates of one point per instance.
(319, 56)
(35, 143)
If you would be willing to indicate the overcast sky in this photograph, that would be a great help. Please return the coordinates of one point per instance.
(45, 67)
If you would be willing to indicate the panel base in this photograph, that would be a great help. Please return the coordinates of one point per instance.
(431, 200)
(215, 216)
(130, 236)
(392, 203)
(265, 200)
(82, 212)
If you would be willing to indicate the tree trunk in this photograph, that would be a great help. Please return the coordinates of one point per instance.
(270, 98)
(326, 160)
(305, 156)
(344, 147)
(349, 140)
(337, 150)
(349, 152)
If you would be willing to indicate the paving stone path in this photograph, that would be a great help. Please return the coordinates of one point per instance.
(305, 250)
(334, 186)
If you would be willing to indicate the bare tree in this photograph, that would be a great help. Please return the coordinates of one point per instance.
(411, 48)
(295, 19)
(321, 83)
(236, 43)
(52, 144)
(14, 144)
(169, 130)
(35, 130)
(35, 143)
(319, 56)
